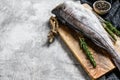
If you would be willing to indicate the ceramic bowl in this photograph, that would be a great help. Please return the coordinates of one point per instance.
(101, 7)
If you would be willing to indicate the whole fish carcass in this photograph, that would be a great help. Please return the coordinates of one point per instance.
(85, 21)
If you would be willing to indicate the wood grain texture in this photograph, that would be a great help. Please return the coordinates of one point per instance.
(103, 61)
(104, 64)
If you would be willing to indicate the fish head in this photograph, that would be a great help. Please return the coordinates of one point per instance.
(62, 11)
(62, 8)
(58, 10)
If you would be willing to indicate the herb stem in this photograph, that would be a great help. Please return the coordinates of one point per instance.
(112, 28)
(84, 46)
(109, 32)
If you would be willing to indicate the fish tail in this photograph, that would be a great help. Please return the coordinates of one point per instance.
(117, 62)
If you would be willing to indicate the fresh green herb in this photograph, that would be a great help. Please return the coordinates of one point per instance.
(86, 50)
(112, 28)
(108, 27)
(109, 32)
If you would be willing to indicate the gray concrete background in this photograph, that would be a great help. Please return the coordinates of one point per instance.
(24, 54)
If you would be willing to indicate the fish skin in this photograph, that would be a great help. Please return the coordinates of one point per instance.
(85, 21)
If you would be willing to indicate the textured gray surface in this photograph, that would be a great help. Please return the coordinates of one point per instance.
(23, 51)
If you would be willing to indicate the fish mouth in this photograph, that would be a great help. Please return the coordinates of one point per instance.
(57, 9)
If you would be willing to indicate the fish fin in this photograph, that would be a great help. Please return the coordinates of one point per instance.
(117, 62)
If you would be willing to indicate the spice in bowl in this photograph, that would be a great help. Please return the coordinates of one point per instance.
(101, 7)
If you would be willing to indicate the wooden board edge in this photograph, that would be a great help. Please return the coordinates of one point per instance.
(77, 57)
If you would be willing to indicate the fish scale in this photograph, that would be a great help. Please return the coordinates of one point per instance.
(85, 21)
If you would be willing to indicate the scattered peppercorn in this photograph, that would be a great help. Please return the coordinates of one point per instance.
(102, 6)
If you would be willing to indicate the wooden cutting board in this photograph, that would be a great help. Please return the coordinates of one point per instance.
(104, 64)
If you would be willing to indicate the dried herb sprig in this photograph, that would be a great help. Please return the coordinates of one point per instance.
(84, 46)
(54, 29)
